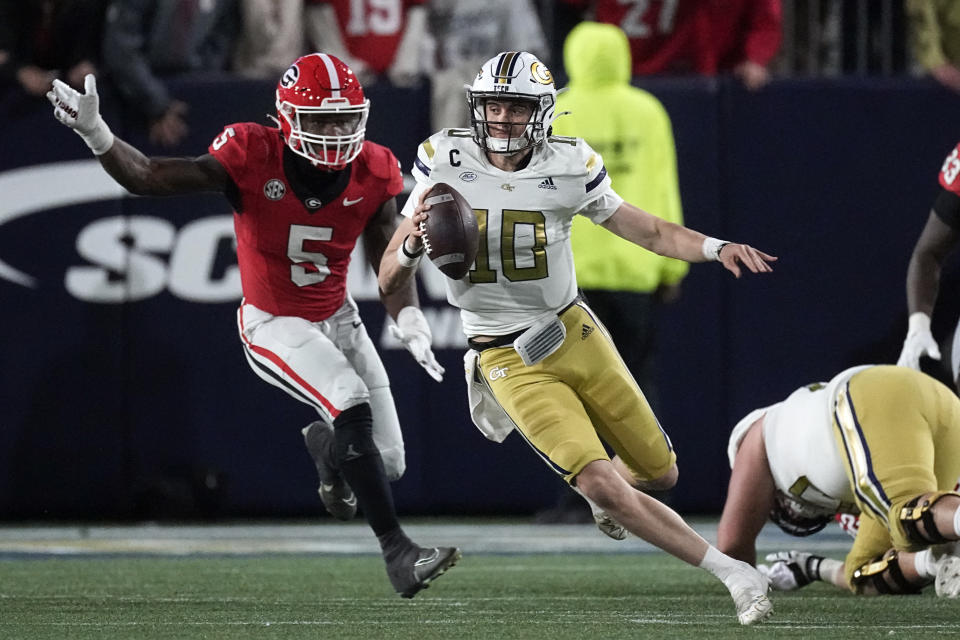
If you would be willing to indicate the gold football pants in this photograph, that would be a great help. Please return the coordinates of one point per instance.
(582, 393)
(899, 434)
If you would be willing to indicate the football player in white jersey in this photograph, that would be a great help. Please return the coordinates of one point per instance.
(540, 358)
(881, 441)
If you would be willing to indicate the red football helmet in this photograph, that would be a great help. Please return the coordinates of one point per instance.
(322, 110)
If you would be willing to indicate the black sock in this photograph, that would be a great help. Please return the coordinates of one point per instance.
(394, 543)
(362, 468)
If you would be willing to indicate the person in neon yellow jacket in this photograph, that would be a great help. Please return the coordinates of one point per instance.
(630, 128)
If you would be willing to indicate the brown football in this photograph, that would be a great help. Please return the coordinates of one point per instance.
(450, 232)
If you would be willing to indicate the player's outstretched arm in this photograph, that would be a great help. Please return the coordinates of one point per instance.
(128, 166)
(676, 241)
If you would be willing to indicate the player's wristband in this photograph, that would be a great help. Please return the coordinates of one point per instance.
(100, 139)
(405, 258)
(711, 248)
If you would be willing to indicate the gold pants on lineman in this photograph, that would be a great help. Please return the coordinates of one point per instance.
(581, 393)
(899, 434)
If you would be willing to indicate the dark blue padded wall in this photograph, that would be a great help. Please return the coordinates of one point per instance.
(140, 404)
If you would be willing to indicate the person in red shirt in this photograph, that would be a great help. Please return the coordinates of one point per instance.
(304, 194)
(376, 38)
(707, 37)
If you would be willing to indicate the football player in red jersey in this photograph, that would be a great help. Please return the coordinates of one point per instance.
(303, 195)
(939, 237)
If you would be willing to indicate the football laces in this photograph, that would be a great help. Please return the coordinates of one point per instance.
(425, 238)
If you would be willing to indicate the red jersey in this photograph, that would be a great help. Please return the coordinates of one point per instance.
(694, 36)
(950, 170)
(292, 249)
(372, 29)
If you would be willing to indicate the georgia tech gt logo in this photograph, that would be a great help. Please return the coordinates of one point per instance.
(498, 372)
(540, 73)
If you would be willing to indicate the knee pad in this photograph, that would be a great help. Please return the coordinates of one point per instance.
(353, 434)
(917, 520)
(885, 575)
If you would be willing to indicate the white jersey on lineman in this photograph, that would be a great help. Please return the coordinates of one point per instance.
(524, 268)
(801, 448)
(803, 455)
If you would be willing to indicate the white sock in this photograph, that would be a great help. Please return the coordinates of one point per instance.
(831, 571)
(924, 564)
(717, 563)
(956, 522)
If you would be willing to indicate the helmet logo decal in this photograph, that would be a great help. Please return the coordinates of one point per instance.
(504, 72)
(274, 189)
(540, 73)
(290, 77)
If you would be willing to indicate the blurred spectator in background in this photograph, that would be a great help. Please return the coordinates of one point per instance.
(375, 38)
(630, 128)
(40, 41)
(836, 37)
(624, 284)
(147, 41)
(934, 27)
(706, 37)
(272, 33)
(463, 35)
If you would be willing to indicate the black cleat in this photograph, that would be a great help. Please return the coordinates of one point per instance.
(336, 494)
(416, 569)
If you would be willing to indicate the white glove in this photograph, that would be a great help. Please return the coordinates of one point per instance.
(791, 570)
(919, 342)
(81, 112)
(414, 332)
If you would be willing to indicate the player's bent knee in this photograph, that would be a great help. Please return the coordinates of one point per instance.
(353, 434)
(664, 482)
(599, 482)
(918, 522)
(883, 576)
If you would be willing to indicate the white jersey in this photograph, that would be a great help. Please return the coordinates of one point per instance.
(804, 458)
(524, 267)
(802, 452)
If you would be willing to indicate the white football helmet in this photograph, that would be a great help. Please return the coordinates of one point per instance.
(513, 75)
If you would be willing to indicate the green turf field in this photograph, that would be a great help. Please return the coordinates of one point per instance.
(597, 596)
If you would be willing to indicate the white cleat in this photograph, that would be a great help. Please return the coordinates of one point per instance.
(749, 587)
(947, 582)
(609, 526)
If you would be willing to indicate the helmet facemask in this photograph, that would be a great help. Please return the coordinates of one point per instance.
(797, 518)
(512, 76)
(330, 135)
(534, 132)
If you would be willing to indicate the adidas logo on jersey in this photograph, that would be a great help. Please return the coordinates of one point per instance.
(587, 330)
(547, 184)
